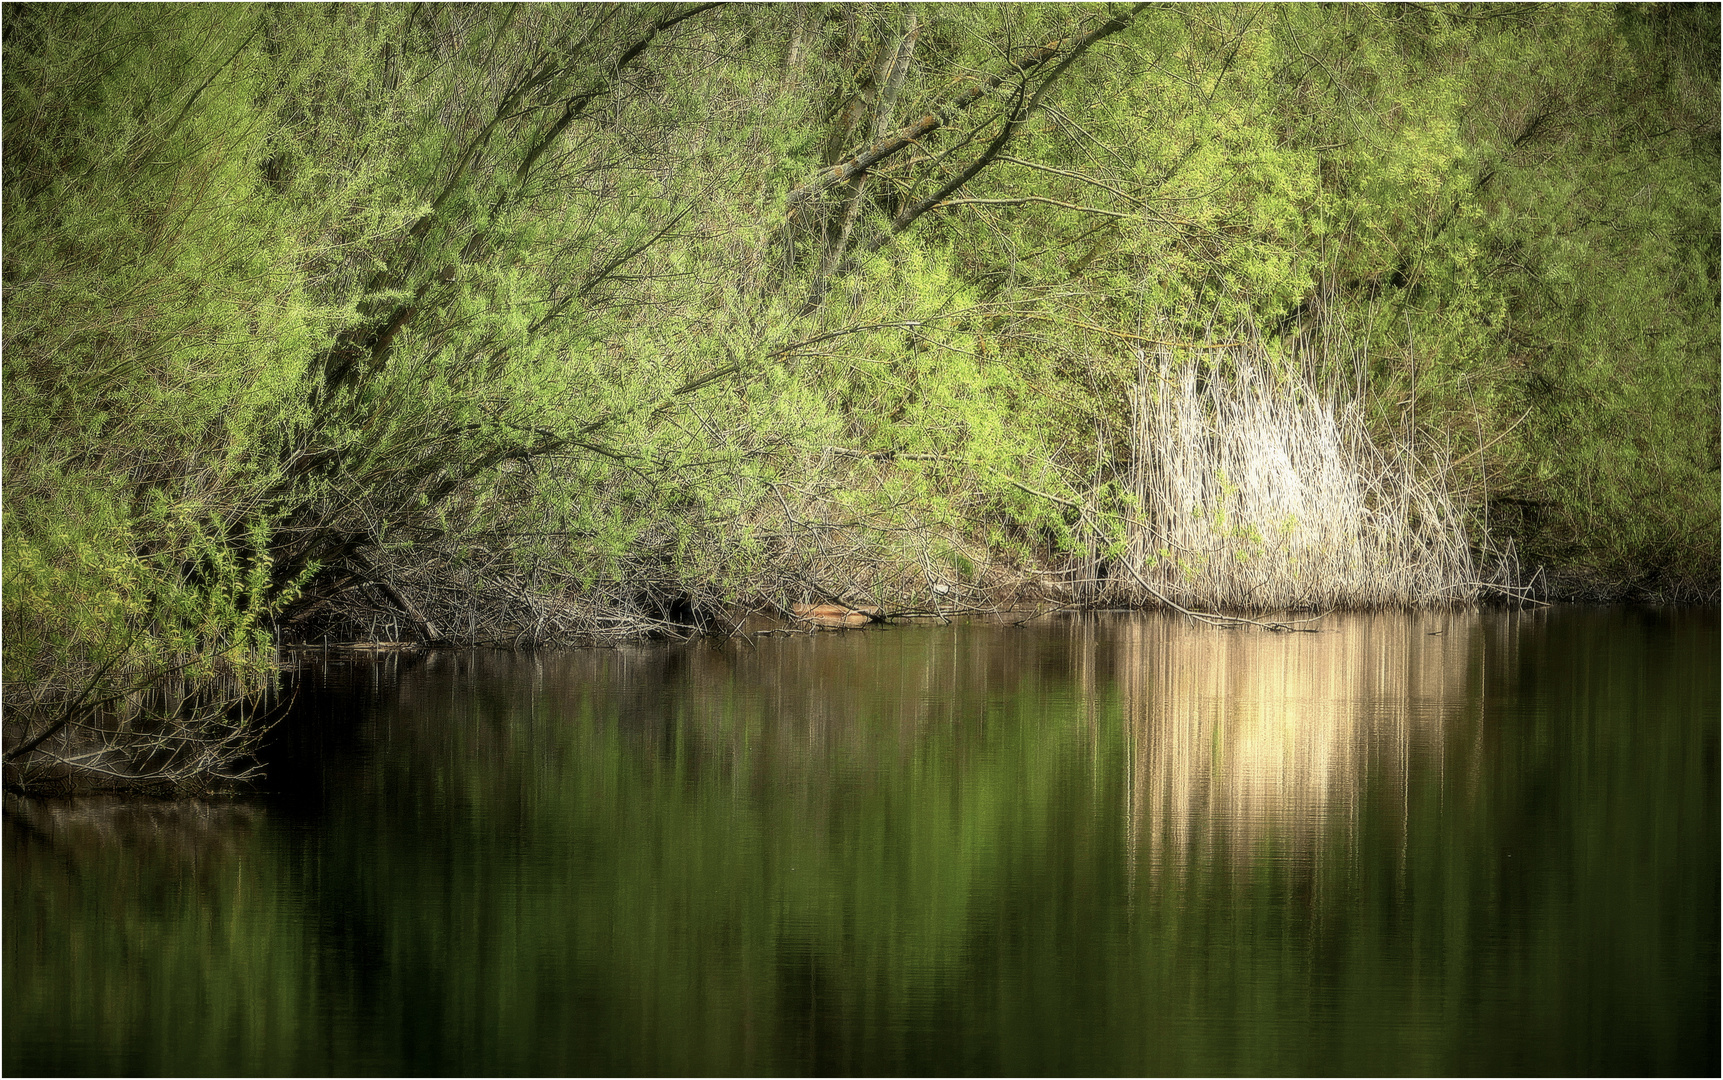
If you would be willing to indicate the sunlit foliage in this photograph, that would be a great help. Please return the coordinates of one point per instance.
(539, 323)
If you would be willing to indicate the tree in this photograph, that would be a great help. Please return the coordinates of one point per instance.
(506, 324)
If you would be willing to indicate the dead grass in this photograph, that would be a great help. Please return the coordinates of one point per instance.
(1259, 492)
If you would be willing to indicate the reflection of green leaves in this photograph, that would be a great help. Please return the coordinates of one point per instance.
(923, 846)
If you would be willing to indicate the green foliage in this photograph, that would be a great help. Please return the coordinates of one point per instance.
(510, 310)
(156, 324)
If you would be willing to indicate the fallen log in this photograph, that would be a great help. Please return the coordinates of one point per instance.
(835, 614)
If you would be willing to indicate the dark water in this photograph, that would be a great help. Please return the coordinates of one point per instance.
(1432, 844)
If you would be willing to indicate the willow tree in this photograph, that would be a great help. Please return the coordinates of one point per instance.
(531, 323)
(404, 321)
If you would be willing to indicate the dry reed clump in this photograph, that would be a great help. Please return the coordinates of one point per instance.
(1259, 492)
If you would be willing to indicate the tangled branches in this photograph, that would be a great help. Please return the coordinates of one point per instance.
(159, 731)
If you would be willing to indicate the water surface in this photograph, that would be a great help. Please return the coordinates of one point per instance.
(1440, 843)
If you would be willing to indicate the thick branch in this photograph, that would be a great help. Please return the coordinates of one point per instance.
(883, 148)
(577, 103)
(910, 213)
(427, 629)
(893, 65)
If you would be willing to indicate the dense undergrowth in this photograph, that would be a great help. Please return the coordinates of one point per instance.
(518, 324)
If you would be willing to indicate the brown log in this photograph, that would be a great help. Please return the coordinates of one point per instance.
(834, 614)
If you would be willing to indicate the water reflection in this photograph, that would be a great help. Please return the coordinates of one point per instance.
(1243, 741)
(1101, 845)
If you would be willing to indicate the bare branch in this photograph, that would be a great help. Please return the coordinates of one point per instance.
(881, 149)
(1026, 199)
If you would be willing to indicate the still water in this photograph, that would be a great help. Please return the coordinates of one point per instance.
(1438, 843)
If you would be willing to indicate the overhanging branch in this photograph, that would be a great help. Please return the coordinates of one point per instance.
(883, 148)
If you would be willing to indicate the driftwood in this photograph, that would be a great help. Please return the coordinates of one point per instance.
(835, 614)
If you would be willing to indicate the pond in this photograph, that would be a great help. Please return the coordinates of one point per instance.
(1431, 843)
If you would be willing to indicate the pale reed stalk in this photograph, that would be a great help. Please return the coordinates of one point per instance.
(1262, 493)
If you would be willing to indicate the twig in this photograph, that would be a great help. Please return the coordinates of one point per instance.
(1213, 619)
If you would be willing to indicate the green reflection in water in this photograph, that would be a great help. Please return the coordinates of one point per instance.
(1439, 843)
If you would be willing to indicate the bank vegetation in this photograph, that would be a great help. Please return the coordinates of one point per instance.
(472, 324)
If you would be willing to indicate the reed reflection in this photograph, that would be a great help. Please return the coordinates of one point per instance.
(1439, 843)
(1244, 742)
